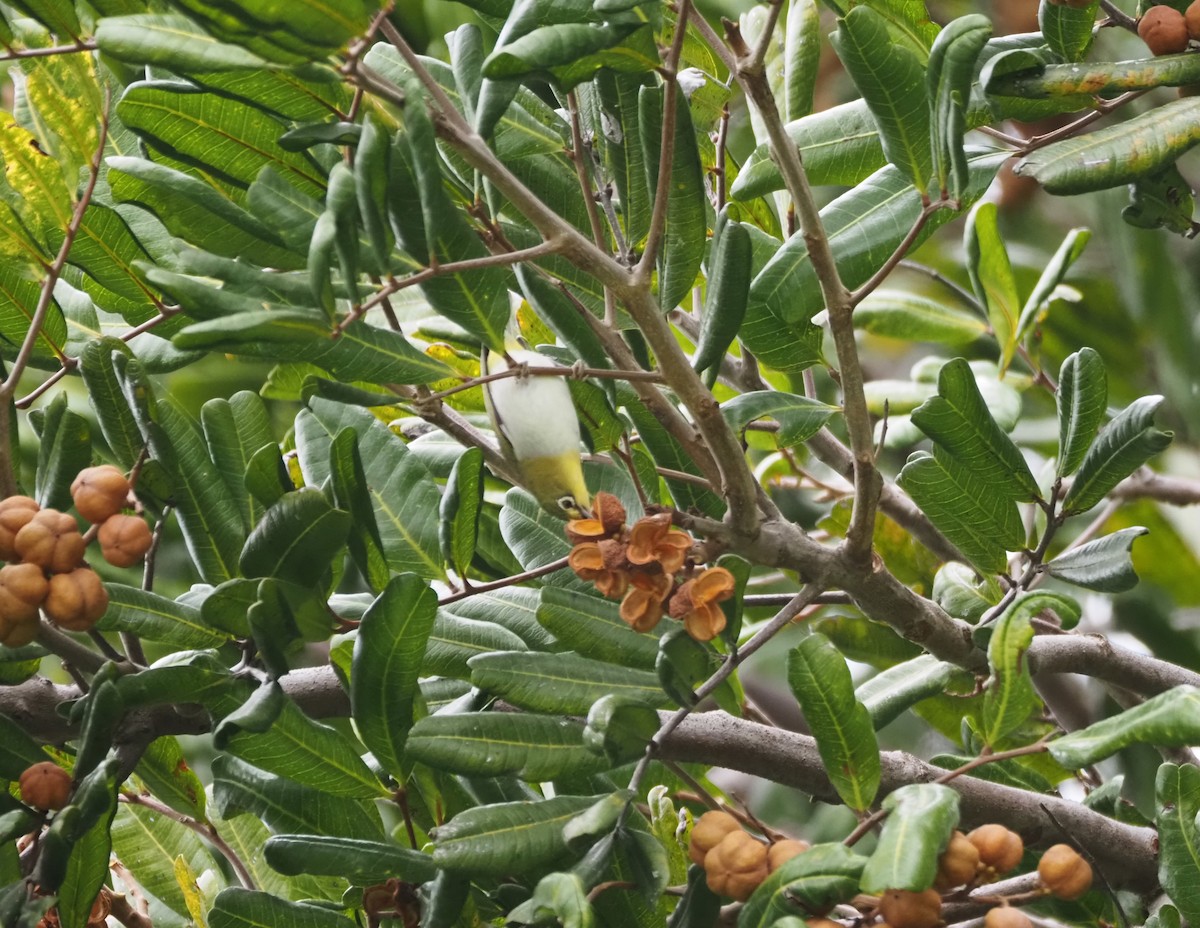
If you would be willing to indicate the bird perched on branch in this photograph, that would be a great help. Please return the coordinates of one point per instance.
(538, 428)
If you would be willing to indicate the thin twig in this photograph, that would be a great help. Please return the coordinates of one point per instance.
(83, 45)
(204, 829)
(504, 582)
(894, 259)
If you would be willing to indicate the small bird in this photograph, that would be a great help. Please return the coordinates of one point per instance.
(538, 429)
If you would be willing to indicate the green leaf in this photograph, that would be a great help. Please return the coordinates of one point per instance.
(889, 693)
(1082, 398)
(536, 748)
(1106, 79)
(802, 51)
(557, 45)
(559, 683)
(507, 838)
(681, 250)
(865, 227)
(1124, 445)
(455, 640)
(821, 877)
(667, 452)
(1167, 720)
(799, 417)
(351, 494)
(403, 493)
(64, 449)
(980, 522)
(516, 609)
(1176, 805)
(196, 212)
(726, 292)
(156, 618)
(913, 317)
(958, 421)
(1010, 698)
(363, 863)
(170, 41)
(992, 277)
(1068, 30)
(891, 79)
(235, 430)
(297, 539)
(207, 513)
(840, 145)
(1105, 565)
(165, 771)
(821, 681)
(1116, 155)
(951, 69)
(593, 628)
(391, 642)
(536, 538)
(458, 526)
(432, 230)
(1043, 291)
(117, 424)
(619, 728)
(59, 18)
(244, 908)
(18, 302)
(87, 867)
(921, 818)
(148, 844)
(226, 137)
(308, 752)
(286, 806)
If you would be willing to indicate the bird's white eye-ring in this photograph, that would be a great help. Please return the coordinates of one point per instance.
(567, 503)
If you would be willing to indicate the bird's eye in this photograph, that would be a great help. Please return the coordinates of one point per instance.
(567, 503)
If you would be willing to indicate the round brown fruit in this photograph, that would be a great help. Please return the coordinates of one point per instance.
(45, 786)
(124, 540)
(1005, 916)
(707, 833)
(51, 540)
(23, 589)
(15, 513)
(99, 492)
(1191, 19)
(736, 866)
(958, 864)
(901, 908)
(19, 634)
(1164, 30)
(1063, 872)
(999, 849)
(781, 852)
(77, 600)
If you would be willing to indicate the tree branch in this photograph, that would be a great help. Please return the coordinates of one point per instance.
(1127, 855)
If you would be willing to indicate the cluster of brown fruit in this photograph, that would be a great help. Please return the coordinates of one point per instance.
(735, 863)
(1166, 31)
(45, 550)
(640, 565)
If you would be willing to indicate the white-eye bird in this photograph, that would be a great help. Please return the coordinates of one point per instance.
(538, 429)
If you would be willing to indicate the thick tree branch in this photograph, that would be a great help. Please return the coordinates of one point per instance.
(1126, 854)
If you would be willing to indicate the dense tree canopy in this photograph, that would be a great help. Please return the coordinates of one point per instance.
(879, 323)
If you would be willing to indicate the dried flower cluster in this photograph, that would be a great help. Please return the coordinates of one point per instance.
(647, 566)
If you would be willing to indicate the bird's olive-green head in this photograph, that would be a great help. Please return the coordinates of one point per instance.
(557, 483)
